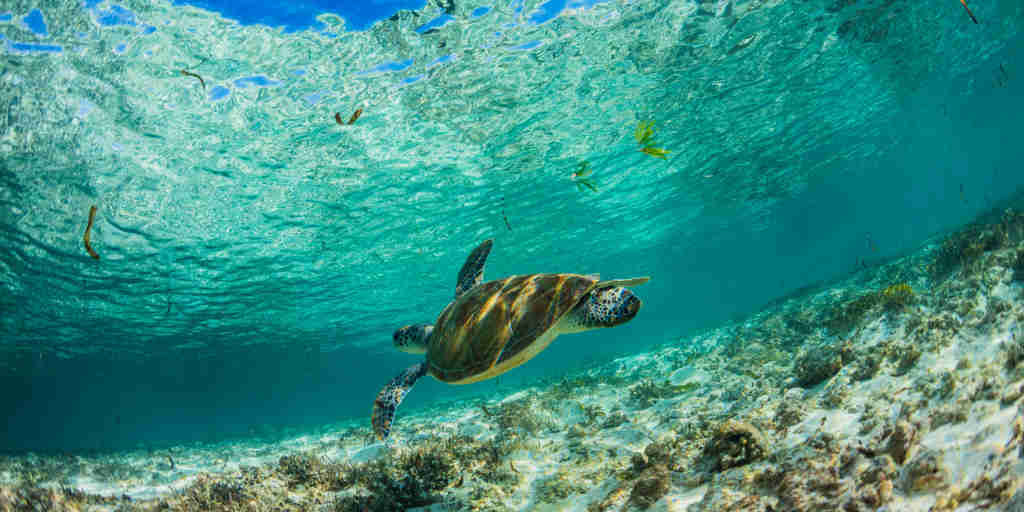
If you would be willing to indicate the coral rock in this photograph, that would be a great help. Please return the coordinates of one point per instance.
(900, 439)
(659, 452)
(734, 444)
(816, 364)
(925, 472)
(650, 487)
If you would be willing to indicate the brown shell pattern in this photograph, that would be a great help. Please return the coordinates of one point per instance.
(495, 320)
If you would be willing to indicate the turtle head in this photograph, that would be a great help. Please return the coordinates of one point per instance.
(604, 307)
(413, 338)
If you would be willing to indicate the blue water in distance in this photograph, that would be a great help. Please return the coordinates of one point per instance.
(256, 256)
(300, 15)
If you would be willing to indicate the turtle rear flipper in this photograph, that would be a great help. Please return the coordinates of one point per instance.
(391, 396)
(472, 272)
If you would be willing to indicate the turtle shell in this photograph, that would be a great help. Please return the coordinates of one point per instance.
(479, 334)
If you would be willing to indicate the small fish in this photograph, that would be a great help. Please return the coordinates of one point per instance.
(337, 118)
(355, 115)
(969, 13)
(88, 229)
(201, 81)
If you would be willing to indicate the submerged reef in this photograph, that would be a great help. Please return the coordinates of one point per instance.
(900, 387)
(848, 315)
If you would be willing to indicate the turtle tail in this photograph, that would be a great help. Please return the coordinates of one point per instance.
(391, 396)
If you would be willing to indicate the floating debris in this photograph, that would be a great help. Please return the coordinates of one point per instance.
(1002, 78)
(644, 132)
(870, 243)
(580, 176)
(355, 115)
(655, 152)
(969, 13)
(189, 73)
(644, 135)
(503, 216)
(88, 229)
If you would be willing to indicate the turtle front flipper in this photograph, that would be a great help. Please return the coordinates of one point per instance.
(472, 272)
(391, 396)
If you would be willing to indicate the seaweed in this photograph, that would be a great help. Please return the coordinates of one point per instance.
(351, 120)
(969, 13)
(645, 393)
(567, 387)
(816, 364)
(417, 477)
(503, 216)
(520, 418)
(644, 135)
(897, 296)
(847, 315)
(733, 444)
(87, 236)
(580, 176)
(307, 469)
(1018, 265)
(193, 75)
(208, 493)
(32, 498)
(1014, 348)
(965, 248)
(355, 116)
(650, 487)
(559, 486)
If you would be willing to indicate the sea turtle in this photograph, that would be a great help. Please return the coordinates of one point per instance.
(490, 328)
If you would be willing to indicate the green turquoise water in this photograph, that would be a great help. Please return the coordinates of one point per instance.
(255, 255)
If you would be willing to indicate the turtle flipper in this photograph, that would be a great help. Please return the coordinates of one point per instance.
(472, 272)
(388, 399)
